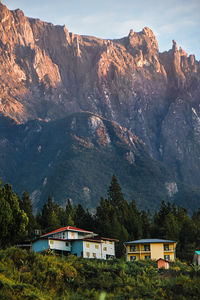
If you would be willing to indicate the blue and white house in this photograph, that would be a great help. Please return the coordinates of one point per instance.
(80, 242)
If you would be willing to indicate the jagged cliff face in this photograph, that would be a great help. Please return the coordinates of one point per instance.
(47, 73)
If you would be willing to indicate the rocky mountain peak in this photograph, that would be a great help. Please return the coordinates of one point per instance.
(148, 31)
(174, 46)
(144, 40)
(4, 13)
(131, 33)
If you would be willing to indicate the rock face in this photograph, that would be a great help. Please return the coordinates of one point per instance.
(47, 73)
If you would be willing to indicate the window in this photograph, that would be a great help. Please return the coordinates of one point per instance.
(146, 247)
(132, 248)
(72, 235)
(51, 242)
(104, 248)
(147, 257)
(67, 244)
(94, 255)
(132, 258)
(88, 254)
(96, 246)
(110, 243)
(63, 235)
(166, 247)
(87, 245)
(167, 257)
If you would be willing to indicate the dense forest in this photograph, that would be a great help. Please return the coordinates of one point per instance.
(114, 217)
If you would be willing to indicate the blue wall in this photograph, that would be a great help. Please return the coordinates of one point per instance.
(40, 245)
(77, 247)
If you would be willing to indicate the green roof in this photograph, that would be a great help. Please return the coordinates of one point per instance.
(148, 241)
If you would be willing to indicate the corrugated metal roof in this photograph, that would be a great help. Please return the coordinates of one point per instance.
(148, 241)
(66, 228)
(197, 252)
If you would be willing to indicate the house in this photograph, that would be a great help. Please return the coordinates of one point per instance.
(150, 249)
(71, 240)
(197, 257)
(163, 263)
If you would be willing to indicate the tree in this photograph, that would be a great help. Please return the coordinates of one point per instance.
(13, 220)
(80, 218)
(133, 221)
(26, 205)
(115, 194)
(49, 219)
(69, 213)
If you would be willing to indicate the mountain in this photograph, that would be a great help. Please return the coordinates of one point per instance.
(48, 73)
(75, 158)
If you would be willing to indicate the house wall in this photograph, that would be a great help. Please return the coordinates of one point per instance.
(72, 235)
(59, 245)
(157, 250)
(137, 247)
(108, 248)
(133, 254)
(92, 249)
(171, 252)
(40, 245)
(171, 255)
(77, 248)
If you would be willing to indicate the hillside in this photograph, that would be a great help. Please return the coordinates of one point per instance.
(75, 158)
(34, 276)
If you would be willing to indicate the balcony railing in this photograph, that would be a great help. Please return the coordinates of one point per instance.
(139, 250)
(169, 250)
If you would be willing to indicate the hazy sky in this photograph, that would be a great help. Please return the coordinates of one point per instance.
(169, 19)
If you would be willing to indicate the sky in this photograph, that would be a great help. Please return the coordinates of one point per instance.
(177, 20)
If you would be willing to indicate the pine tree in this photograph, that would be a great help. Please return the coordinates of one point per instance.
(115, 194)
(26, 205)
(49, 219)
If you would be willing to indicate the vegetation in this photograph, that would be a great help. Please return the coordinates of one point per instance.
(33, 276)
(114, 217)
(13, 220)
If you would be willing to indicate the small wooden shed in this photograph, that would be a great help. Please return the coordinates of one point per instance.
(197, 257)
(163, 263)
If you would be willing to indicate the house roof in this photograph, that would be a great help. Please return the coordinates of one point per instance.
(149, 241)
(70, 228)
(197, 252)
(163, 260)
